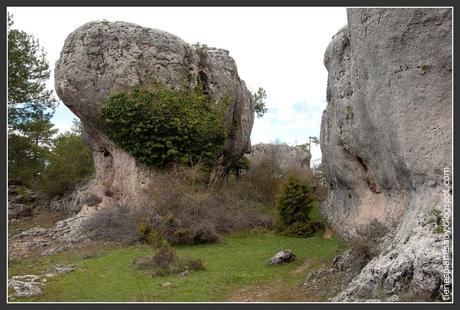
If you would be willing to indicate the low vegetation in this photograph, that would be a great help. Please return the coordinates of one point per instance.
(186, 211)
(166, 261)
(367, 244)
(69, 163)
(237, 264)
(181, 209)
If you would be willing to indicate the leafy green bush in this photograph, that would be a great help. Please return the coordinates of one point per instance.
(300, 229)
(294, 206)
(159, 126)
(70, 162)
(26, 160)
(294, 203)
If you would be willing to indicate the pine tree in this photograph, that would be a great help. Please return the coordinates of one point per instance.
(28, 70)
(30, 106)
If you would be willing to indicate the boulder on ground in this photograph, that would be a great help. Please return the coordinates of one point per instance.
(285, 256)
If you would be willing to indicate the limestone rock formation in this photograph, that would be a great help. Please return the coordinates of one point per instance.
(100, 58)
(285, 156)
(386, 141)
(30, 285)
(282, 257)
(22, 201)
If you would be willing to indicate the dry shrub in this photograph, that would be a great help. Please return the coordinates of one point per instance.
(181, 209)
(368, 240)
(164, 257)
(188, 212)
(262, 181)
(165, 261)
(116, 223)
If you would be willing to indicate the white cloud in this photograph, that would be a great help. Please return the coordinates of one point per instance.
(278, 48)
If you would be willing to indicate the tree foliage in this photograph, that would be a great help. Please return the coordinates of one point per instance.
(26, 160)
(160, 126)
(307, 145)
(35, 156)
(69, 162)
(30, 107)
(259, 102)
(294, 206)
(28, 71)
(294, 203)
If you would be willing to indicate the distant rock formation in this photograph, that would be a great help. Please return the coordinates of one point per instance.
(287, 157)
(386, 140)
(22, 201)
(100, 58)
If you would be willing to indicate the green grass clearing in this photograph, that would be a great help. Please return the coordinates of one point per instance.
(240, 261)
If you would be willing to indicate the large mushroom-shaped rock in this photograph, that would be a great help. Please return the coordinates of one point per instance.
(100, 58)
(386, 140)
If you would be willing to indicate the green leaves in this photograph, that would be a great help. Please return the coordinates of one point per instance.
(159, 126)
(30, 107)
(28, 72)
(294, 205)
(258, 99)
(69, 162)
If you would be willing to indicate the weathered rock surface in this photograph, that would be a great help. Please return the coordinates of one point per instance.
(287, 157)
(21, 200)
(285, 256)
(386, 137)
(31, 285)
(25, 288)
(64, 235)
(100, 58)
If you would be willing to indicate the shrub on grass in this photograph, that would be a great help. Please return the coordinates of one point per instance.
(294, 205)
(294, 202)
(165, 261)
(164, 257)
(302, 229)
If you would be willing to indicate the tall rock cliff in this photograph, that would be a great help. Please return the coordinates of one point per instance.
(386, 140)
(100, 58)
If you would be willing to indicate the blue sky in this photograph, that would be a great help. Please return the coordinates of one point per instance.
(294, 127)
(278, 48)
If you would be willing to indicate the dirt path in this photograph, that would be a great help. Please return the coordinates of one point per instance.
(291, 288)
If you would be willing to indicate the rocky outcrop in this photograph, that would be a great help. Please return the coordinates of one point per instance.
(22, 201)
(48, 241)
(100, 58)
(31, 285)
(285, 156)
(386, 141)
